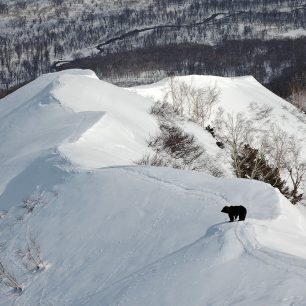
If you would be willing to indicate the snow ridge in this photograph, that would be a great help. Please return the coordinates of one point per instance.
(111, 233)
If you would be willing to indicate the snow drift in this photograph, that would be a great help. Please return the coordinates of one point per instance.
(128, 235)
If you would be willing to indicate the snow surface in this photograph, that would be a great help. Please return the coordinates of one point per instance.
(240, 95)
(111, 233)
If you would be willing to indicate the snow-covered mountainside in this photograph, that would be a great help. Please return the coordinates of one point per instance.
(82, 225)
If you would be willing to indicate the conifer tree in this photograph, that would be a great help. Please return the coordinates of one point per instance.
(253, 165)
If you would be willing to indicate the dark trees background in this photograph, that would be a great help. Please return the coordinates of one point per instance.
(275, 63)
(248, 37)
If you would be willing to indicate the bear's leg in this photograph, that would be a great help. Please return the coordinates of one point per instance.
(242, 217)
(231, 217)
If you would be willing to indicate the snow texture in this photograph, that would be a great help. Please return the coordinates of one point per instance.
(111, 233)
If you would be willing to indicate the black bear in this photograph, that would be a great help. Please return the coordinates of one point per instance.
(235, 211)
(220, 144)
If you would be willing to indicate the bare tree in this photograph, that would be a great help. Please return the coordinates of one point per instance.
(153, 160)
(296, 168)
(285, 152)
(29, 204)
(31, 255)
(177, 94)
(165, 112)
(264, 157)
(177, 147)
(278, 142)
(195, 102)
(260, 112)
(202, 102)
(8, 278)
(235, 131)
(298, 95)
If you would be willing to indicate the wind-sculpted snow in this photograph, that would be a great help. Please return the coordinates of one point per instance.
(130, 235)
(119, 138)
(90, 121)
(33, 121)
(134, 236)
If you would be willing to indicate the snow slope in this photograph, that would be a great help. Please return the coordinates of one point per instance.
(238, 94)
(135, 236)
(89, 121)
(111, 234)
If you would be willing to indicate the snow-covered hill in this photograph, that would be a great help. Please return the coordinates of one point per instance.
(92, 122)
(112, 233)
(240, 94)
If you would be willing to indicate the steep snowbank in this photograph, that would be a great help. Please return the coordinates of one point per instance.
(120, 136)
(91, 122)
(32, 121)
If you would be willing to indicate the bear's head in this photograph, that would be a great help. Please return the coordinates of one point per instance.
(225, 209)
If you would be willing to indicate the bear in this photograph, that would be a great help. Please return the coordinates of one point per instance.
(235, 211)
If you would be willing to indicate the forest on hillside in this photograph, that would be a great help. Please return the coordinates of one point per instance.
(276, 63)
(263, 38)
